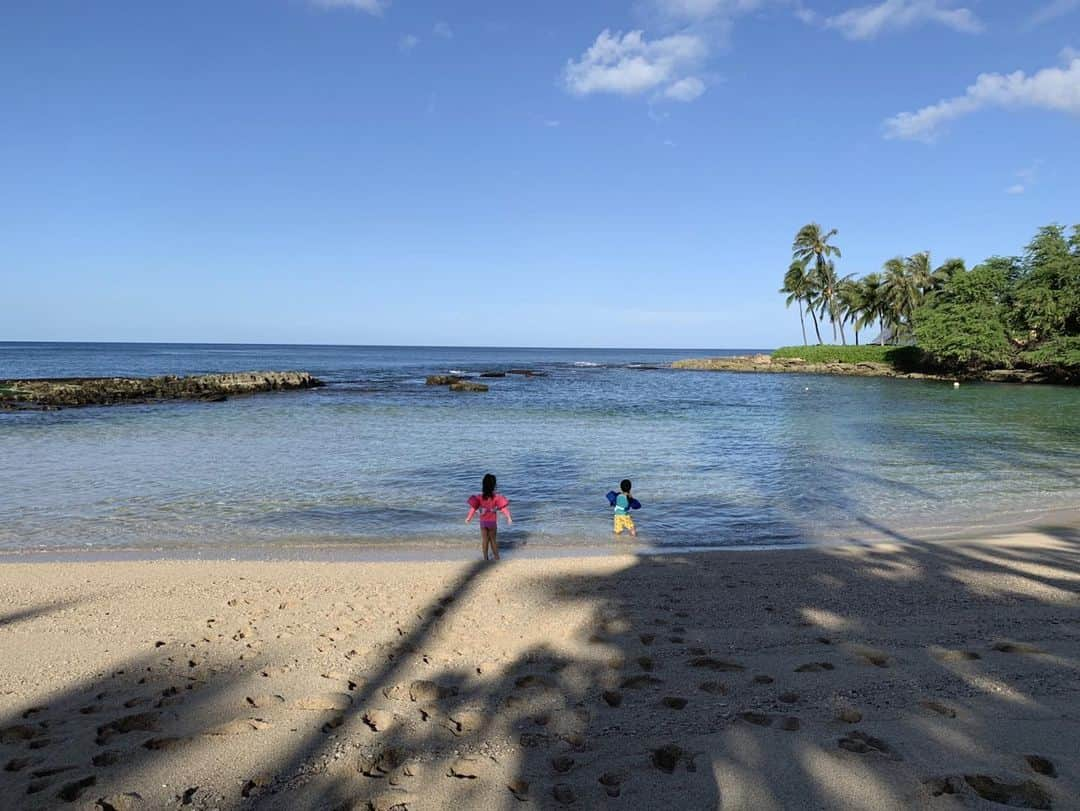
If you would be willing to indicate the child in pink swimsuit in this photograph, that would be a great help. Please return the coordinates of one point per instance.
(489, 504)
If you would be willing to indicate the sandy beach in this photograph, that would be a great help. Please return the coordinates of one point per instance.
(909, 675)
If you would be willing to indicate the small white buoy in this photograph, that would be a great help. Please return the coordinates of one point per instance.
(806, 389)
(956, 384)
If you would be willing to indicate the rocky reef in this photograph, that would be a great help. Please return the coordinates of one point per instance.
(767, 363)
(71, 392)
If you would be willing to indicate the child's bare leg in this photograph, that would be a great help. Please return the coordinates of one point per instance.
(494, 543)
(633, 532)
(484, 541)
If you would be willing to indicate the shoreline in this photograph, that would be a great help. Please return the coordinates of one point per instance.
(767, 364)
(465, 549)
(882, 676)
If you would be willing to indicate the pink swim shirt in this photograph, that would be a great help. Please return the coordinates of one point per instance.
(489, 508)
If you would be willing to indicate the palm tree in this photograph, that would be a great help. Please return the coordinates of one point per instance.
(944, 273)
(799, 286)
(873, 304)
(901, 294)
(849, 294)
(812, 244)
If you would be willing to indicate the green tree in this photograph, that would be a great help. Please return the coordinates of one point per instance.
(812, 245)
(964, 325)
(849, 293)
(799, 285)
(1047, 296)
(874, 305)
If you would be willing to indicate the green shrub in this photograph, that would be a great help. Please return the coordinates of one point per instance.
(902, 357)
(1063, 352)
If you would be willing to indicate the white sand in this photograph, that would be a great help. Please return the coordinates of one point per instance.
(446, 685)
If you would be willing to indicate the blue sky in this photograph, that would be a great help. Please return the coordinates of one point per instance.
(538, 174)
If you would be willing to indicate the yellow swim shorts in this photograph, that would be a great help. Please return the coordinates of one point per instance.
(623, 522)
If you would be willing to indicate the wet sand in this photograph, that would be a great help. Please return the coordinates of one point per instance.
(906, 675)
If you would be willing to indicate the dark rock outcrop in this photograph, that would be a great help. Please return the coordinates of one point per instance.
(468, 385)
(442, 380)
(47, 393)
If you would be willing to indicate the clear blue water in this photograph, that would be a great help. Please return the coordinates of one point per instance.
(377, 457)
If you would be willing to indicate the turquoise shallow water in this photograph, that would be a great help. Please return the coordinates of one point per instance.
(377, 457)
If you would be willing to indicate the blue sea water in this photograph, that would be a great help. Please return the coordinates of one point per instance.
(378, 458)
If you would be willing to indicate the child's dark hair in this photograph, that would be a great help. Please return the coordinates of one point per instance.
(488, 485)
(625, 485)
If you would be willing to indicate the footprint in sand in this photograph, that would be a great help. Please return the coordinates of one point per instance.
(613, 698)
(378, 720)
(715, 687)
(761, 678)
(673, 702)
(667, 758)
(140, 722)
(20, 763)
(520, 789)
(718, 665)
(1041, 765)
(646, 663)
(849, 715)
(563, 794)
(939, 708)
(1015, 647)
(1026, 794)
(862, 743)
(265, 700)
(647, 639)
(612, 783)
(875, 657)
(72, 791)
(947, 655)
(562, 764)
(815, 667)
(640, 682)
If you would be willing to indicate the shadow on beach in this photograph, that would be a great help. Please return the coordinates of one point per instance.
(891, 676)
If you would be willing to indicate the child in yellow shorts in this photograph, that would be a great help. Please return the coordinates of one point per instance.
(623, 504)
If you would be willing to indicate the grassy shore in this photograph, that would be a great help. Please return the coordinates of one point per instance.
(904, 358)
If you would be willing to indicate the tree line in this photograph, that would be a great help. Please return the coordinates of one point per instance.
(1007, 311)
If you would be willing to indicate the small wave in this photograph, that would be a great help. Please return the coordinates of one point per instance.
(457, 372)
(586, 363)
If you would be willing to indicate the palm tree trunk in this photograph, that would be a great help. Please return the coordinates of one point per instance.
(881, 330)
(817, 330)
(802, 322)
(843, 338)
(856, 335)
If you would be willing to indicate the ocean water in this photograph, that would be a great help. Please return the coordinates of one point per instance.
(378, 458)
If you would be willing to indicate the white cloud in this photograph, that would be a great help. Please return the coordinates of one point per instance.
(866, 22)
(408, 42)
(686, 89)
(1055, 89)
(1027, 179)
(443, 30)
(705, 9)
(551, 122)
(375, 7)
(628, 64)
(1052, 10)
